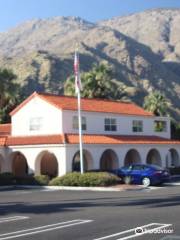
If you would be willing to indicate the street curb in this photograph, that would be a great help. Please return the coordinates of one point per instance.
(172, 184)
(6, 187)
(109, 189)
(95, 189)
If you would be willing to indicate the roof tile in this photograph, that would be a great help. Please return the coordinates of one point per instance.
(34, 140)
(2, 141)
(5, 129)
(87, 139)
(112, 139)
(89, 105)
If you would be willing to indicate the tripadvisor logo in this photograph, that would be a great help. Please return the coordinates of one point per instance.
(141, 230)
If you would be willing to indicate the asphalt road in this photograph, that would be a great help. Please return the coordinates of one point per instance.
(71, 215)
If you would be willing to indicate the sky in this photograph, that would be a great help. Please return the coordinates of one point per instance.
(14, 12)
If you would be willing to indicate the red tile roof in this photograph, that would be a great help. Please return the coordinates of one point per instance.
(34, 140)
(5, 129)
(87, 139)
(89, 105)
(112, 139)
(2, 141)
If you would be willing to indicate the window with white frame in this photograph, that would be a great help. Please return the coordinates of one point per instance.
(160, 126)
(35, 123)
(76, 123)
(110, 124)
(137, 126)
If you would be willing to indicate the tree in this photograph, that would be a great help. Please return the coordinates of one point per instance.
(97, 83)
(156, 103)
(9, 93)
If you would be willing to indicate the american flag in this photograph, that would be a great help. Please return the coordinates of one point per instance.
(78, 86)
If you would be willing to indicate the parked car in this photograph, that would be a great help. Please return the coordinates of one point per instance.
(143, 174)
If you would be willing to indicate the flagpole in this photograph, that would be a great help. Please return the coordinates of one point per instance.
(78, 92)
(80, 133)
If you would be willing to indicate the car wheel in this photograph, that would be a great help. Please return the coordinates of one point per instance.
(146, 181)
(127, 180)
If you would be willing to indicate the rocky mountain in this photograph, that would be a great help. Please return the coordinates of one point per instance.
(142, 48)
(158, 29)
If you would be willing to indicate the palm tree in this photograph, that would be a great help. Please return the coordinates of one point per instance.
(9, 92)
(97, 83)
(156, 103)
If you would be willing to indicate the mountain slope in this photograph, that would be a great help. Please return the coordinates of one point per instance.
(48, 34)
(41, 53)
(157, 28)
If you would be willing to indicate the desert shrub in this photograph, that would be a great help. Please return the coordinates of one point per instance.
(86, 179)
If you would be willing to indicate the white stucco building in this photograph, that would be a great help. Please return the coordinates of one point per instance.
(43, 136)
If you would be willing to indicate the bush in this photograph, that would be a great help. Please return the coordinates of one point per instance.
(7, 178)
(26, 180)
(70, 179)
(87, 179)
(41, 180)
(174, 170)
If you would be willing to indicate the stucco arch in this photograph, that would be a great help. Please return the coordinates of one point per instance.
(154, 157)
(109, 160)
(132, 157)
(19, 164)
(46, 164)
(172, 158)
(87, 161)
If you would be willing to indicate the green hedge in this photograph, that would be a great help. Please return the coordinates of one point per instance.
(41, 180)
(7, 179)
(26, 180)
(70, 179)
(174, 171)
(10, 179)
(87, 179)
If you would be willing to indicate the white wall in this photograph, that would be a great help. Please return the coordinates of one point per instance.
(65, 154)
(3, 159)
(95, 124)
(55, 121)
(96, 152)
(51, 118)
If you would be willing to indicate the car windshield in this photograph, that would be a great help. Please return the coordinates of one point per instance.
(126, 167)
(137, 167)
(157, 167)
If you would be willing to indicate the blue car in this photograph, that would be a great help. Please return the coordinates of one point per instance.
(144, 174)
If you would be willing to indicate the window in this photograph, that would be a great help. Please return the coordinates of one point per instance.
(110, 124)
(76, 123)
(160, 126)
(35, 123)
(137, 126)
(137, 167)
